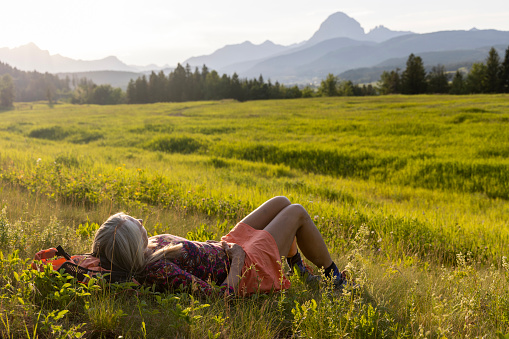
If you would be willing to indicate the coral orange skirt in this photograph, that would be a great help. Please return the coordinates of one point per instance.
(262, 267)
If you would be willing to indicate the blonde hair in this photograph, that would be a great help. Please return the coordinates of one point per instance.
(167, 252)
(120, 243)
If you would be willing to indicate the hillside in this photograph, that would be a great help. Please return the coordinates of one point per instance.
(340, 45)
(451, 60)
(341, 57)
(29, 57)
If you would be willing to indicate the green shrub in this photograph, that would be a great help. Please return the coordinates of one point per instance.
(179, 144)
(49, 133)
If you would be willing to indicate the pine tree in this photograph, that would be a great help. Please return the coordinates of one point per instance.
(212, 83)
(476, 78)
(6, 91)
(141, 90)
(458, 84)
(504, 73)
(414, 77)
(438, 81)
(198, 84)
(176, 85)
(131, 92)
(188, 85)
(236, 90)
(492, 72)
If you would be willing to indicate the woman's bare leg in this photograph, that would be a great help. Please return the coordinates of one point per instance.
(293, 248)
(263, 215)
(294, 221)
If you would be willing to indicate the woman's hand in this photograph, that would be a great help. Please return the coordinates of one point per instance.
(234, 252)
(237, 256)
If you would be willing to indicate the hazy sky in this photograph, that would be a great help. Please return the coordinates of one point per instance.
(168, 31)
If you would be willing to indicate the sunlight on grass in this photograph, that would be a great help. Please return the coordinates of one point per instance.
(410, 193)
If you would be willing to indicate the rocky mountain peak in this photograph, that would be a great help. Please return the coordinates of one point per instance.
(381, 33)
(338, 25)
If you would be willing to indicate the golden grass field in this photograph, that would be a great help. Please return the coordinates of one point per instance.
(410, 192)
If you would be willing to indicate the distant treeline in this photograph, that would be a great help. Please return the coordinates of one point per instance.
(35, 86)
(22, 86)
(182, 84)
(491, 76)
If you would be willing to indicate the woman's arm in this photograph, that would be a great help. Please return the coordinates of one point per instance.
(237, 255)
(168, 276)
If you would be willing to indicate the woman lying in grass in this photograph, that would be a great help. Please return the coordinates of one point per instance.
(247, 260)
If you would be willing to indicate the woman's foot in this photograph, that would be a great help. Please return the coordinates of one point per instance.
(298, 265)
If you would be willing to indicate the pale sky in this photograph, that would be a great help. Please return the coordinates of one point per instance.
(168, 31)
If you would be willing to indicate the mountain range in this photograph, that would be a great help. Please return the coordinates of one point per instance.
(29, 57)
(340, 46)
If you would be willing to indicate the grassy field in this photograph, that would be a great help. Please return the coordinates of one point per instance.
(410, 193)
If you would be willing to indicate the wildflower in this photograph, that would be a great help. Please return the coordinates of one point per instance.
(316, 217)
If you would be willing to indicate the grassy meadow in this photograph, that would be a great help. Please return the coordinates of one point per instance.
(411, 194)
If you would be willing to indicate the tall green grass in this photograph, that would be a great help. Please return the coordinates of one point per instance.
(410, 194)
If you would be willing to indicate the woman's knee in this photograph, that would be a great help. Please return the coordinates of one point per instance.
(281, 201)
(298, 210)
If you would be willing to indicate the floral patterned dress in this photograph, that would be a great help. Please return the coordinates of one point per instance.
(200, 264)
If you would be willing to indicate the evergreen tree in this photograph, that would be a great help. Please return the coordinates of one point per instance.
(367, 90)
(225, 87)
(198, 84)
(6, 91)
(176, 84)
(204, 73)
(492, 72)
(504, 73)
(458, 84)
(476, 78)
(141, 90)
(131, 92)
(157, 87)
(413, 79)
(212, 84)
(188, 85)
(236, 88)
(438, 81)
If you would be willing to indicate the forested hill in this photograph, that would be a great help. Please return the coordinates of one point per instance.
(33, 86)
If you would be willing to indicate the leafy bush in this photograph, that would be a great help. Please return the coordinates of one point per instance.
(179, 144)
(49, 133)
